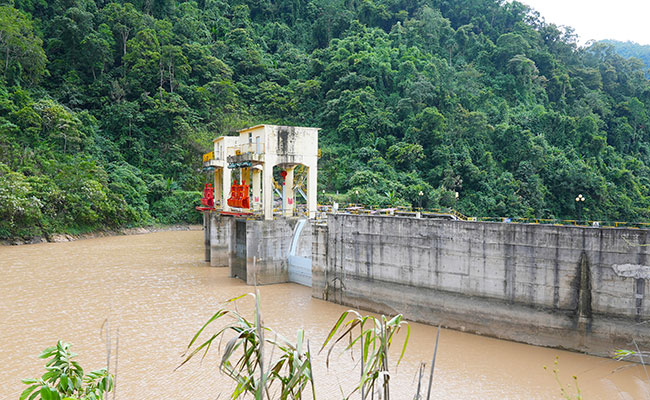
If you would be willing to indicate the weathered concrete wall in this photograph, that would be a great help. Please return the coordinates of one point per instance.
(574, 287)
(206, 234)
(221, 240)
(267, 249)
(238, 255)
(256, 251)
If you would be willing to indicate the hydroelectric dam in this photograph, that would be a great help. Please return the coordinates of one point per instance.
(581, 288)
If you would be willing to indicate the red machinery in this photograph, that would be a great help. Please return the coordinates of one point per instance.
(239, 196)
(208, 198)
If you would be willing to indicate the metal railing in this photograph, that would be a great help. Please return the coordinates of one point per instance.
(253, 148)
(450, 213)
(245, 153)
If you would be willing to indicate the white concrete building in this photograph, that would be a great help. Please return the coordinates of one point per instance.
(254, 153)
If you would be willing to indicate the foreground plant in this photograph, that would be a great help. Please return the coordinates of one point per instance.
(566, 392)
(374, 336)
(245, 360)
(634, 356)
(65, 380)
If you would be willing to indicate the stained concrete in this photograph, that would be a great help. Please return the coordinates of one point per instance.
(548, 285)
(256, 251)
(221, 241)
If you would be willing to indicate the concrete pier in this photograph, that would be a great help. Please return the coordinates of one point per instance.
(206, 234)
(221, 241)
(257, 251)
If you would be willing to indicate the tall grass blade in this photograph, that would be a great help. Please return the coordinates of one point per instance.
(260, 348)
(417, 393)
(117, 352)
(335, 328)
(638, 351)
(433, 364)
(363, 364)
(311, 372)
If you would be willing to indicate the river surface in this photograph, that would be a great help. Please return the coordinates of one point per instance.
(155, 292)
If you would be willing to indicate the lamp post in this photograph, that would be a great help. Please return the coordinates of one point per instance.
(418, 214)
(579, 200)
(356, 197)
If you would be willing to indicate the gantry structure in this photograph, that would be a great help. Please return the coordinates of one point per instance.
(244, 165)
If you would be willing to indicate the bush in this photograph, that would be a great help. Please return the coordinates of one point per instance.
(179, 207)
(65, 378)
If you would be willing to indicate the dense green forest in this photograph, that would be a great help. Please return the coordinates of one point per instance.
(631, 49)
(106, 106)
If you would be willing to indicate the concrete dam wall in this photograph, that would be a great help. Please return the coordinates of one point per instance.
(579, 288)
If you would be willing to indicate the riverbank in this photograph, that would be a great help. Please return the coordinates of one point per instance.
(65, 237)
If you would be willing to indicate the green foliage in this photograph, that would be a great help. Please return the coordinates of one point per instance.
(65, 379)
(374, 342)
(177, 208)
(24, 57)
(18, 208)
(631, 49)
(256, 357)
(484, 99)
(248, 357)
(566, 391)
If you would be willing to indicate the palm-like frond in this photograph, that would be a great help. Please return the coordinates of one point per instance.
(375, 337)
(243, 356)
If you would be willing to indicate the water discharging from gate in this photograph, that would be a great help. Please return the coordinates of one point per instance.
(156, 290)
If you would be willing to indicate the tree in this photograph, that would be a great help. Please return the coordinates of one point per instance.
(98, 46)
(23, 51)
(124, 20)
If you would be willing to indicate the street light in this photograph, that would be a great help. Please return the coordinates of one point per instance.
(356, 192)
(420, 199)
(579, 200)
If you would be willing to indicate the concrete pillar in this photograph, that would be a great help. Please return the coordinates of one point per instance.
(245, 176)
(206, 234)
(225, 188)
(220, 240)
(267, 191)
(312, 191)
(214, 231)
(218, 187)
(288, 197)
(256, 194)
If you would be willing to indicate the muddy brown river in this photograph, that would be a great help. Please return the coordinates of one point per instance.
(155, 291)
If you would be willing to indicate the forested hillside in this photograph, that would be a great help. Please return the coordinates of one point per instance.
(106, 106)
(632, 49)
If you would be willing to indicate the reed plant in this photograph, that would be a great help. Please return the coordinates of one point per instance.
(264, 364)
(374, 337)
(260, 361)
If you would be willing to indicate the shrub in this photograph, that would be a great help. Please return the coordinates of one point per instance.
(65, 378)
(179, 207)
